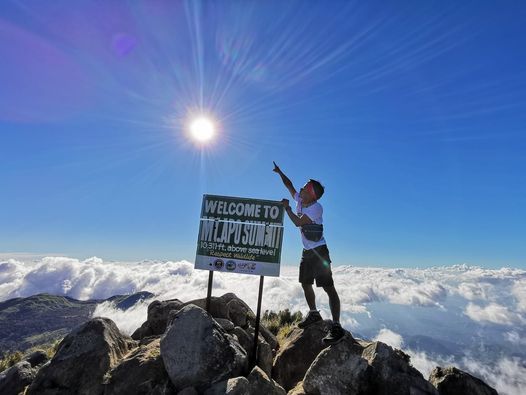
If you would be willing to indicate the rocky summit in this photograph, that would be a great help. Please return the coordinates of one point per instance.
(181, 349)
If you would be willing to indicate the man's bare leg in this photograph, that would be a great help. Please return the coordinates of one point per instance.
(310, 297)
(334, 302)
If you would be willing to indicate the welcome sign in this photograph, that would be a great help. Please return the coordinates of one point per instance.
(240, 235)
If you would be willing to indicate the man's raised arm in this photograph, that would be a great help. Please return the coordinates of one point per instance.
(285, 180)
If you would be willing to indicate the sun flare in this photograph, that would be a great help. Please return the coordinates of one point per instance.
(202, 129)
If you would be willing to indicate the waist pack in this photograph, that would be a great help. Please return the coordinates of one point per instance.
(312, 232)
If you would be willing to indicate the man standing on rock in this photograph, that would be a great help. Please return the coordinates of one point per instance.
(315, 261)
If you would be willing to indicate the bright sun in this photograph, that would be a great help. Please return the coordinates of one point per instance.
(202, 129)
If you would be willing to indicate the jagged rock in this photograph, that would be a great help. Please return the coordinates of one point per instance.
(139, 372)
(339, 369)
(197, 352)
(295, 356)
(158, 313)
(261, 384)
(82, 359)
(16, 378)
(392, 374)
(453, 381)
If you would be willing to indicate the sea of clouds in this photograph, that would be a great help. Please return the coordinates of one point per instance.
(468, 316)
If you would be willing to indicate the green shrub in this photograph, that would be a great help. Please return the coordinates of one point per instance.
(282, 319)
(10, 359)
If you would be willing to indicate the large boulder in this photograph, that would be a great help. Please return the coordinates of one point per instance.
(297, 353)
(82, 360)
(339, 369)
(392, 373)
(140, 372)
(157, 319)
(453, 381)
(197, 352)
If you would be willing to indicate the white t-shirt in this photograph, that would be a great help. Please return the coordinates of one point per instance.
(315, 213)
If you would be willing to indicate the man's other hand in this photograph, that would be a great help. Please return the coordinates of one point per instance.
(276, 168)
(285, 203)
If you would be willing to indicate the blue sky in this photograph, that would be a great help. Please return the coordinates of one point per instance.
(412, 114)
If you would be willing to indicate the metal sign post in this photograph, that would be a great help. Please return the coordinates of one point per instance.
(209, 292)
(254, 360)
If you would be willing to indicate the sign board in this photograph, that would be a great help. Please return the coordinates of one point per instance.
(240, 235)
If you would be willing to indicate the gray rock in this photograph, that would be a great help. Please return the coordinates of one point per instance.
(261, 384)
(338, 369)
(238, 386)
(296, 354)
(269, 337)
(233, 386)
(16, 378)
(264, 360)
(197, 352)
(218, 307)
(82, 360)
(140, 372)
(157, 319)
(227, 325)
(264, 335)
(453, 381)
(238, 312)
(392, 373)
(246, 340)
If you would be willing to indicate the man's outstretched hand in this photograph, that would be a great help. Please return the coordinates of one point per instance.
(276, 168)
(285, 203)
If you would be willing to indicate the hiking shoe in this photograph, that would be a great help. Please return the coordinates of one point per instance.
(311, 318)
(335, 335)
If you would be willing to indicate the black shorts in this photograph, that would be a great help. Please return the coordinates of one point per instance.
(316, 264)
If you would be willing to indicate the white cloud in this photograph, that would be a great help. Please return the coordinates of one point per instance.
(519, 291)
(507, 375)
(515, 337)
(476, 291)
(126, 320)
(493, 313)
(389, 337)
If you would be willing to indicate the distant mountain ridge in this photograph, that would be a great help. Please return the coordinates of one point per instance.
(43, 318)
